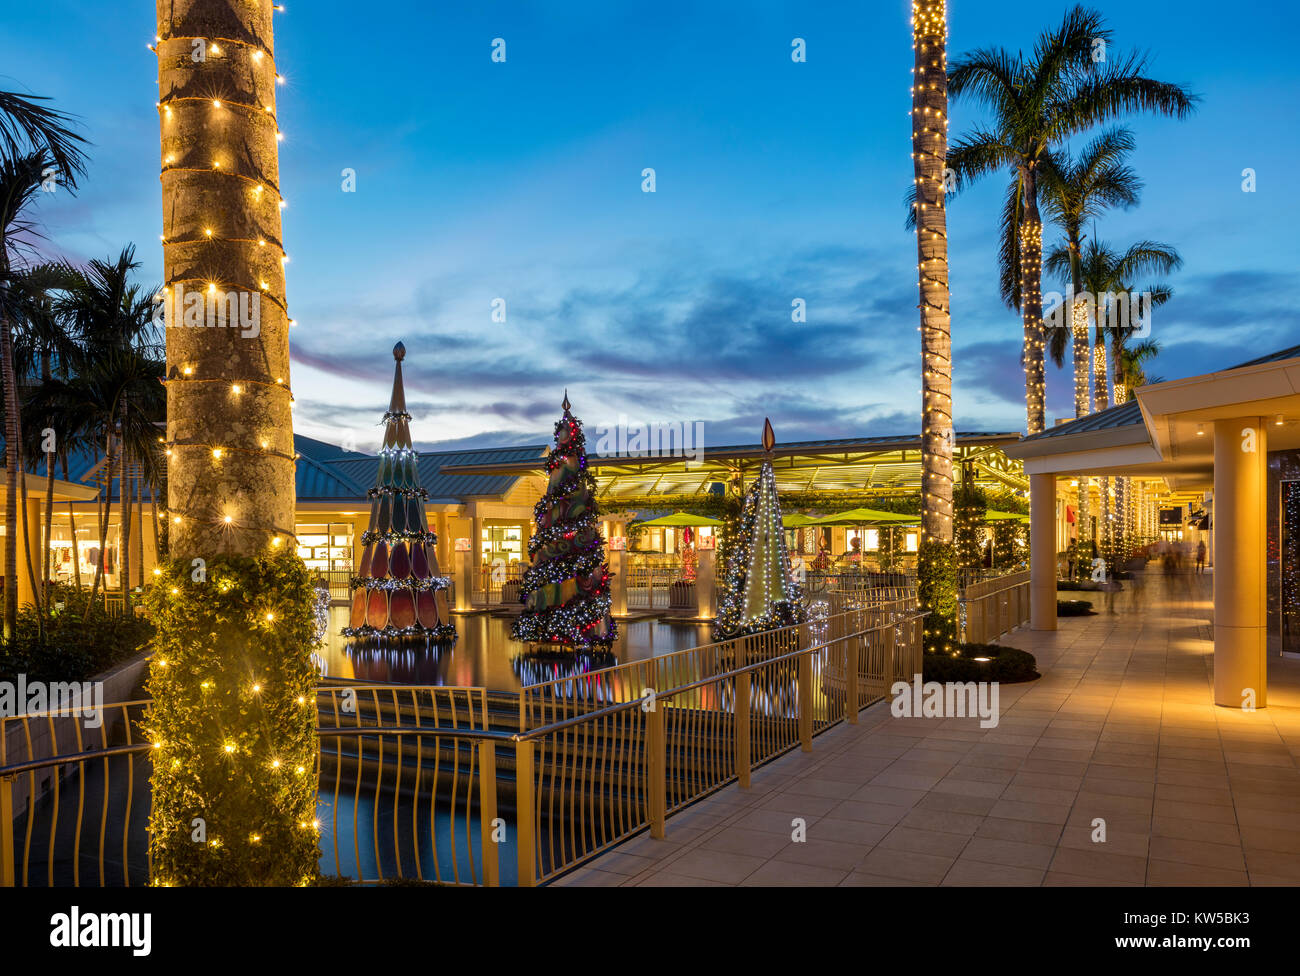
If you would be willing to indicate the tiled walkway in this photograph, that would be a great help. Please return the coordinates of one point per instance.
(1120, 727)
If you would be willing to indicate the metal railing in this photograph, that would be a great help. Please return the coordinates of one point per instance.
(993, 607)
(433, 793)
(650, 587)
(498, 584)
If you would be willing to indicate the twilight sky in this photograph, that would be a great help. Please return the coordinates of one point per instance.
(522, 181)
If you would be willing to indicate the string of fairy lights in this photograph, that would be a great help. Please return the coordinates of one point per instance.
(222, 57)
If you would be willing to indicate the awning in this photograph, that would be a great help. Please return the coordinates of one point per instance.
(797, 520)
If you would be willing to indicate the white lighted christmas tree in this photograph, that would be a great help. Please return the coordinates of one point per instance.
(760, 592)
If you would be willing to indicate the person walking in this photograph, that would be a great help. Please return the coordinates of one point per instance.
(1200, 557)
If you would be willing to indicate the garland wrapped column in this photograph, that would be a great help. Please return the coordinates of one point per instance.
(399, 594)
(760, 592)
(233, 713)
(566, 588)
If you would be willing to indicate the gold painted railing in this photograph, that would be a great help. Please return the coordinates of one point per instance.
(992, 607)
(438, 786)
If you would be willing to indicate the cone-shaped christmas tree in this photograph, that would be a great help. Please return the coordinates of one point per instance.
(399, 594)
(760, 592)
(566, 588)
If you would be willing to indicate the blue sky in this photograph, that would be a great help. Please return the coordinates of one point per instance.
(479, 180)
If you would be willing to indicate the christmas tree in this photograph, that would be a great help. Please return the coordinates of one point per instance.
(566, 589)
(399, 593)
(760, 592)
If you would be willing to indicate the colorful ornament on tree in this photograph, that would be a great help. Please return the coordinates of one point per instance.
(399, 593)
(566, 588)
(760, 592)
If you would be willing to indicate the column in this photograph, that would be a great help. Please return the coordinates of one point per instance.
(476, 553)
(464, 581)
(618, 583)
(1240, 642)
(706, 605)
(26, 584)
(1042, 552)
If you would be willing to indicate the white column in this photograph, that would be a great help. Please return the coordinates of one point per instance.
(1240, 612)
(1042, 552)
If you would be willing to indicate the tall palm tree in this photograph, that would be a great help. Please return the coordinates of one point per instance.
(1076, 190)
(42, 344)
(1108, 274)
(929, 149)
(38, 151)
(21, 180)
(1037, 103)
(115, 377)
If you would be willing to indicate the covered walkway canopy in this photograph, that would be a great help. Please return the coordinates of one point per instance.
(1217, 432)
(889, 464)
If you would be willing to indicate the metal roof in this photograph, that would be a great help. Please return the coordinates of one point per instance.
(1123, 415)
(315, 481)
(448, 488)
(1273, 357)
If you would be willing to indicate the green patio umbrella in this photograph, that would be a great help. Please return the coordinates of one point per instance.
(867, 516)
(797, 520)
(990, 515)
(681, 518)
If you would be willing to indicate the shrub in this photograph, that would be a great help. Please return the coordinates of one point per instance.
(1007, 665)
(71, 648)
(1074, 608)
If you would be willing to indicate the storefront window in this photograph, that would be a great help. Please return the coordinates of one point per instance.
(326, 546)
(503, 542)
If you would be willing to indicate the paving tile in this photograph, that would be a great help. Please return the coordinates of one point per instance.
(970, 873)
(716, 865)
(788, 873)
(909, 865)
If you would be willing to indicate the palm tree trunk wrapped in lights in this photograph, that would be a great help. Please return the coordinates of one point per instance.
(937, 590)
(234, 707)
(399, 593)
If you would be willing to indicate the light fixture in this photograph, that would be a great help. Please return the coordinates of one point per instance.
(1278, 421)
(1200, 430)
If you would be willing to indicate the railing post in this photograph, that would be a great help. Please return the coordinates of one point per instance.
(525, 805)
(805, 701)
(6, 829)
(487, 811)
(744, 761)
(851, 665)
(656, 770)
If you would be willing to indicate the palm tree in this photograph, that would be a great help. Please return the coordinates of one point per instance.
(929, 148)
(38, 150)
(113, 391)
(1076, 190)
(42, 344)
(1107, 274)
(1130, 373)
(1037, 104)
(21, 179)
